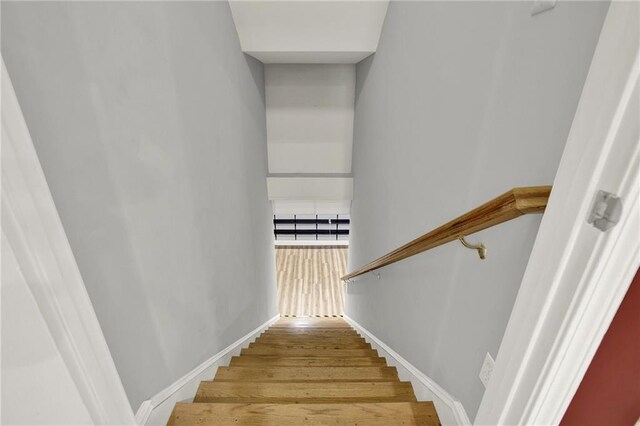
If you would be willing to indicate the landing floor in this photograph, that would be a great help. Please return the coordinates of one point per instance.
(309, 280)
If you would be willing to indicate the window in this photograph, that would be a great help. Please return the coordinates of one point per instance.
(311, 227)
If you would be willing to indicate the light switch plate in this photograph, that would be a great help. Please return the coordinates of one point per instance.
(486, 370)
(540, 6)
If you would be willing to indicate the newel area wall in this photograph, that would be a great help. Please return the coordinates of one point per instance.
(461, 102)
(149, 123)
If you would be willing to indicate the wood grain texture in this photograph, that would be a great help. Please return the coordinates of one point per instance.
(296, 329)
(289, 361)
(297, 339)
(309, 352)
(320, 392)
(311, 332)
(312, 345)
(303, 374)
(371, 414)
(511, 204)
(315, 371)
(310, 323)
(308, 280)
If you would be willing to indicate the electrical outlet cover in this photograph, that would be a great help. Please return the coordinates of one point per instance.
(486, 370)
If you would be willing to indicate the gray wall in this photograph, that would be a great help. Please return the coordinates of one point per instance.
(149, 123)
(461, 102)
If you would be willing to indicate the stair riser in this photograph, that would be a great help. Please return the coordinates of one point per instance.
(306, 335)
(316, 329)
(302, 374)
(305, 326)
(327, 345)
(340, 329)
(332, 339)
(309, 339)
(258, 361)
(310, 352)
(333, 392)
(370, 414)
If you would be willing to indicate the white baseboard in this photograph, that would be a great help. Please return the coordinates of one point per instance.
(157, 409)
(450, 411)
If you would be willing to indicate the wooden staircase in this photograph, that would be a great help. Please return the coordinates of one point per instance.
(306, 371)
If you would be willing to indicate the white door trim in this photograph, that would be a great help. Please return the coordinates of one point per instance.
(32, 226)
(577, 276)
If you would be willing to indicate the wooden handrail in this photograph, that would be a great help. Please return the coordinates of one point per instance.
(511, 204)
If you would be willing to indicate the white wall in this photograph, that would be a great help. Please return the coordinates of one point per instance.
(319, 207)
(461, 102)
(149, 123)
(310, 111)
(310, 117)
(309, 31)
(310, 188)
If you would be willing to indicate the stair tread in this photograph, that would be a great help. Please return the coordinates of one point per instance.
(318, 392)
(306, 371)
(318, 329)
(305, 338)
(305, 324)
(310, 321)
(265, 350)
(310, 330)
(311, 345)
(311, 335)
(312, 326)
(373, 414)
(330, 338)
(271, 373)
(287, 361)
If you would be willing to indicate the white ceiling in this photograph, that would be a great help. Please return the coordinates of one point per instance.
(309, 31)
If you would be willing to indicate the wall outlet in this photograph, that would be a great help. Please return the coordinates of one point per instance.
(486, 370)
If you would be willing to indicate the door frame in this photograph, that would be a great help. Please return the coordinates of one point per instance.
(577, 275)
(32, 227)
(575, 280)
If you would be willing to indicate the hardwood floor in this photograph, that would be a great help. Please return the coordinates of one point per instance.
(309, 280)
(306, 371)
